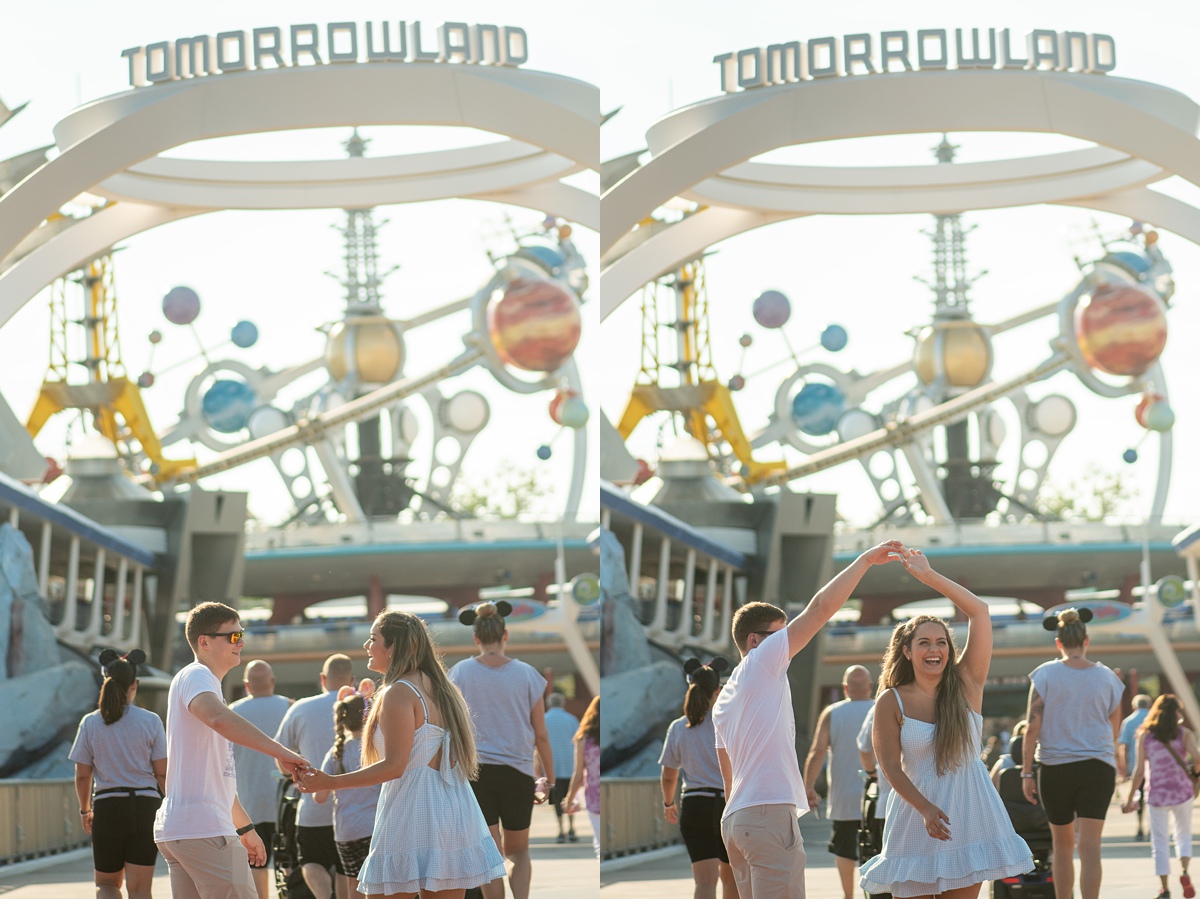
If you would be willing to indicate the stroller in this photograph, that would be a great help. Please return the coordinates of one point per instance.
(285, 849)
(870, 828)
(1029, 821)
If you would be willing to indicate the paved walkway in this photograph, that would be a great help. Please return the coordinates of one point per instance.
(560, 871)
(1128, 870)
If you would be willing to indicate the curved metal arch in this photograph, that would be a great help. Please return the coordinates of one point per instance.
(699, 142)
(109, 136)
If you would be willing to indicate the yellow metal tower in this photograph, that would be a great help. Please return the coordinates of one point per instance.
(699, 397)
(114, 401)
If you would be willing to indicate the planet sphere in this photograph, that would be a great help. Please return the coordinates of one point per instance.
(227, 405)
(244, 334)
(834, 338)
(534, 325)
(816, 408)
(1121, 329)
(772, 309)
(543, 452)
(181, 305)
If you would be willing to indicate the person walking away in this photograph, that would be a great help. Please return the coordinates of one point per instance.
(951, 832)
(505, 698)
(756, 737)
(690, 749)
(1074, 716)
(122, 750)
(257, 785)
(354, 808)
(586, 776)
(1126, 752)
(202, 831)
(429, 835)
(560, 728)
(837, 740)
(308, 728)
(1162, 745)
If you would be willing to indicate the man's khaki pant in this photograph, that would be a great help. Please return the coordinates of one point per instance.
(210, 868)
(766, 852)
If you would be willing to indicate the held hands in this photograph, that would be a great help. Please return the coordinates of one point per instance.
(916, 564)
(937, 825)
(888, 551)
(254, 848)
(311, 780)
(1129, 806)
(292, 763)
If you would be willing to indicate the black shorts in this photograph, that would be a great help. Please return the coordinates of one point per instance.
(318, 848)
(353, 853)
(700, 824)
(558, 793)
(266, 830)
(1076, 789)
(505, 796)
(843, 842)
(123, 832)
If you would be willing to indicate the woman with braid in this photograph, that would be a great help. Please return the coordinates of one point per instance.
(353, 809)
(946, 830)
(505, 698)
(691, 747)
(430, 836)
(1074, 718)
(123, 749)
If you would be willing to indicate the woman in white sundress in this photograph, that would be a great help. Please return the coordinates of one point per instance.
(430, 836)
(946, 830)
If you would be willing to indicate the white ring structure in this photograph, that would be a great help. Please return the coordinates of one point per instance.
(1143, 132)
(111, 148)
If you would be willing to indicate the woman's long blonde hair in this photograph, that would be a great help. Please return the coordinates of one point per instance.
(413, 649)
(952, 728)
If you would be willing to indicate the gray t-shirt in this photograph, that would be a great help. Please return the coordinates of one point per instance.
(121, 753)
(307, 728)
(693, 750)
(353, 809)
(845, 786)
(257, 776)
(1075, 724)
(501, 701)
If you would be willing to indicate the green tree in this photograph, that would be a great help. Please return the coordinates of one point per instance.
(508, 492)
(1094, 496)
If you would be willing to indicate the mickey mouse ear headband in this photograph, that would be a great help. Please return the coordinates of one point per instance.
(1050, 622)
(468, 616)
(718, 665)
(134, 657)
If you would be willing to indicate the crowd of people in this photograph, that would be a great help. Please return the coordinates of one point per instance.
(939, 826)
(422, 785)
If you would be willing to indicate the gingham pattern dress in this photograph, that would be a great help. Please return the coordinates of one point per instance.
(982, 846)
(429, 832)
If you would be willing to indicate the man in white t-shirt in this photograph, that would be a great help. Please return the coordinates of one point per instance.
(756, 737)
(201, 829)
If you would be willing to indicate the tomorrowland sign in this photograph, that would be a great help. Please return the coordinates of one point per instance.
(275, 47)
(900, 51)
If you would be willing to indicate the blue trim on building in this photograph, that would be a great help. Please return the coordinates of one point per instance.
(373, 549)
(1025, 549)
(15, 493)
(670, 526)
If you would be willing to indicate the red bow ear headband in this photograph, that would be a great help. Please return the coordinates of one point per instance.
(134, 657)
(468, 616)
(1050, 622)
(717, 665)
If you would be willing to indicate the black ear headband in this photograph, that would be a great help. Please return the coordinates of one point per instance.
(717, 665)
(468, 616)
(134, 657)
(1050, 622)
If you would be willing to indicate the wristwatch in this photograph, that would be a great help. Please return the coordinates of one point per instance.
(246, 829)
(1028, 774)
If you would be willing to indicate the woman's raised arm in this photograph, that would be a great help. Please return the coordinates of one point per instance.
(977, 653)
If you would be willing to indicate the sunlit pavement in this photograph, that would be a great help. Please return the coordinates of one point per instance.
(1128, 870)
(560, 871)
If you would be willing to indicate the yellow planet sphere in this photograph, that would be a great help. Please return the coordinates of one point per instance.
(966, 353)
(378, 351)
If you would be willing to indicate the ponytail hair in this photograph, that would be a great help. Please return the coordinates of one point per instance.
(703, 682)
(488, 620)
(1069, 626)
(119, 675)
(348, 714)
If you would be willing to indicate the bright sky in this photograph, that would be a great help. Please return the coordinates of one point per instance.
(859, 271)
(267, 266)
